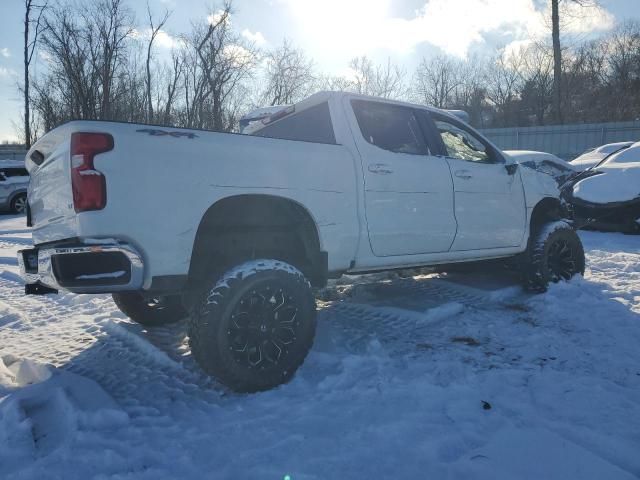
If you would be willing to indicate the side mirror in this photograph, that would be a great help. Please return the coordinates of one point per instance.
(511, 168)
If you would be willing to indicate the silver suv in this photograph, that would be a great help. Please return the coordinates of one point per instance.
(14, 180)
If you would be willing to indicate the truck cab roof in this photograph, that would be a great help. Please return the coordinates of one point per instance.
(260, 120)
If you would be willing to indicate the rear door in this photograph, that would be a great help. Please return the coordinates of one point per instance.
(408, 191)
(489, 196)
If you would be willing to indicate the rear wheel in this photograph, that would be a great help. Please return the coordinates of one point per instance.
(254, 327)
(19, 203)
(150, 311)
(555, 253)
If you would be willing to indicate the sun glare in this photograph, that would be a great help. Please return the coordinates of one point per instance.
(342, 23)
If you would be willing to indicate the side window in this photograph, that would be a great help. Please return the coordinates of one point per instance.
(310, 125)
(390, 127)
(463, 144)
(16, 172)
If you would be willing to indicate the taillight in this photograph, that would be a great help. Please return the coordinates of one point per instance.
(88, 184)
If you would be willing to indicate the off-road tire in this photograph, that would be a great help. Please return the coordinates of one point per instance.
(555, 253)
(254, 327)
(150, 312)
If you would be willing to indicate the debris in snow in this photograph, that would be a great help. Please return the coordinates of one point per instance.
(470, 341)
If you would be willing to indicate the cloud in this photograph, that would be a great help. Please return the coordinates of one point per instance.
(5, 52)
(238, 55)
(163, 38)
(7, 72)
(257, 37)
(45, 56)
(454, 26)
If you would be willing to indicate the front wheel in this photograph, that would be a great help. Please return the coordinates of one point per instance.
(555, 253)
(254, 327)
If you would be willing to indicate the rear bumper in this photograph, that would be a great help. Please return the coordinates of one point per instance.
(83, 268)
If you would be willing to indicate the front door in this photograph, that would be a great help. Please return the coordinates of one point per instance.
(408, 191)
(489, 196)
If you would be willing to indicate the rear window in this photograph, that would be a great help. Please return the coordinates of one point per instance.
(310, 125)
(390, 127)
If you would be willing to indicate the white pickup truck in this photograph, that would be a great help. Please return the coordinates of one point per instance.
(233, 230)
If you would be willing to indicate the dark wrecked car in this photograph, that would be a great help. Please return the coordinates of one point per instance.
(607, 196)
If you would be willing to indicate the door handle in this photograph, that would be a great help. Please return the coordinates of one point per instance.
(380, 168)
(463, 174)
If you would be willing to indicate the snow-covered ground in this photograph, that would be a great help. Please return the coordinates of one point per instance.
(424, 377)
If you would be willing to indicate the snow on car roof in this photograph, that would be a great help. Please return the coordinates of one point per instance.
(593, 157)
(618, 182)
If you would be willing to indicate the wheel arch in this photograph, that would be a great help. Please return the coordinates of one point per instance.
(15, 193)
(547, 209)
(246, 226)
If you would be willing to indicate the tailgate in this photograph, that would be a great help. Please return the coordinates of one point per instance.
(50, 197)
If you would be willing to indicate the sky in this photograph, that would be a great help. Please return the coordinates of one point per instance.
(334, 31)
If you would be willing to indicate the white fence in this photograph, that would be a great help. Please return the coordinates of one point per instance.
(565, 141)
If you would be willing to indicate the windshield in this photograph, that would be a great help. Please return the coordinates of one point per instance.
(613, 156)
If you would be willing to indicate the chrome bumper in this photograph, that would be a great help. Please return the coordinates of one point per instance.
(37, 267)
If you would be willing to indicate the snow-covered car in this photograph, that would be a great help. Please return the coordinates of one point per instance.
(14, 180)
(594, 156)
(608, 195)
(543, 162)
(236, 232)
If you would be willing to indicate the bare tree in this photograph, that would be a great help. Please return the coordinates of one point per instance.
(536, 75)
(557, 51)
(386, 81)
(30, 42)
(435, 80)
(91, 66)
(288, 75)
(113, 23)
(503, 82)
(155, 29)
(217, 61)
(172, 75)
(623, 72)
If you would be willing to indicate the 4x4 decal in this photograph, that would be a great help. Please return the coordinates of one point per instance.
(161, 133)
